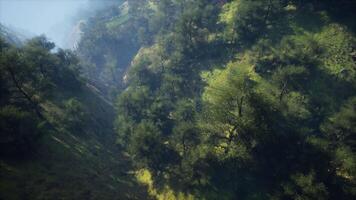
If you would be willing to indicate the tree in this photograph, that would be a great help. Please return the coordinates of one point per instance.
(246, 21)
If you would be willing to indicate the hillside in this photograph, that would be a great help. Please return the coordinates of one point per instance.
(185, 100)
(73, 165)
(66, 161)
(242, 99)
(12, 36)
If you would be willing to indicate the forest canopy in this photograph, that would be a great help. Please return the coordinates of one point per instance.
(244, 99)
(214, 99)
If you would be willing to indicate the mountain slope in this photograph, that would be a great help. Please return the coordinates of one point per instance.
(56, 131)
(12, 36)
(73, 165)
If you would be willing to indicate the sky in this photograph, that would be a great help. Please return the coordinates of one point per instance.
(50, 17)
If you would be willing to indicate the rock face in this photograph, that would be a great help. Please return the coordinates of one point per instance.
(75, 35)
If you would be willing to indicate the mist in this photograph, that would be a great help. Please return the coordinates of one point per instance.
(56, 18)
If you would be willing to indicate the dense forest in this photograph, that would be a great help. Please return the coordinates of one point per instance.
(185, 99)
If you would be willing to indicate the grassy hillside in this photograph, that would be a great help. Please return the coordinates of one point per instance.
(72, 164)
(57, 139)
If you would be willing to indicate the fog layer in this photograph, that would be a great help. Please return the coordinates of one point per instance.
(55, 18)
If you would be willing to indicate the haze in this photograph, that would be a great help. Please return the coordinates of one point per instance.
(53, 18)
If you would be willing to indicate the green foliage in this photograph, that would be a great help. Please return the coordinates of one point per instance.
(109, 42)
(248, 97)
(147, 146)
(304, 187)
(19, 131)
(340, 129)
(246, 21)
(30, 77)
(75, 115)
(339, 47)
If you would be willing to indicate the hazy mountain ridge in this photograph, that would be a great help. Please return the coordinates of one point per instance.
(13, 35)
